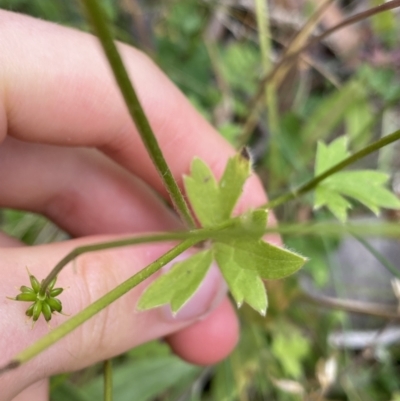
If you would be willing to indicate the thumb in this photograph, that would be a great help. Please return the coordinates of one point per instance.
(112, 331)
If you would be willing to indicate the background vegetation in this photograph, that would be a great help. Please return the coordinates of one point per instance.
(309, 347)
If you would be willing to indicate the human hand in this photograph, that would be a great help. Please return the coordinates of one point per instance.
(70, 151)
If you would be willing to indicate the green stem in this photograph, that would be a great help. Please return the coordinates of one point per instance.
(109, 245)
(107, 370)
(310, 185)
(101, 29)
(197, 235)
(336, 229)
(97, 306)
(264, 36)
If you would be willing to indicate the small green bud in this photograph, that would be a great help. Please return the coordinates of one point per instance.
(37, 310)
(29, 311)
(56, 291)
(26, 297)
(46, 310)
(34, 283)
(55, 304)
(24, 288)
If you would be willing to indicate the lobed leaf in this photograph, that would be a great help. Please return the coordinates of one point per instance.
(231, 185)
(178, 285)
(245, 285)
(203, 193)
(335, 202)
(329, 155)
(252, 223)
(269, 261)
(365, 186)
(213, 203)
(242, 256)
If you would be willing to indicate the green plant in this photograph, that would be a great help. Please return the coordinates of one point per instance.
(226, 235)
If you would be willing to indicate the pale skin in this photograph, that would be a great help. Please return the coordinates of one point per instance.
(70, 151)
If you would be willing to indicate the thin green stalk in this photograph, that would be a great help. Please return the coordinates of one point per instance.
(198, 235)
(94, 308)
(107, 370)
(109, 245)
(289, 58)
(337, 229)
(310, 185)
(264, 36)
(98, 20)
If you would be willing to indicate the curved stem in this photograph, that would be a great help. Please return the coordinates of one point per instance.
(308, 186)
(109, 245)
(101, 29)
(94, 308)
(198, 235)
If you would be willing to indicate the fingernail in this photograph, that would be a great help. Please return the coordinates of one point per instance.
(207, 297)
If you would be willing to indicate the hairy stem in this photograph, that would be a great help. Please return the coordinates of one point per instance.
(310, 185)
(97, 306)
(271, 103)
(98, 20)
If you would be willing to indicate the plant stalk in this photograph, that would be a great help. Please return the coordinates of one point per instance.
(98, 20)
(198, 235)
(107, 371)
(310, 185)
(271, 101)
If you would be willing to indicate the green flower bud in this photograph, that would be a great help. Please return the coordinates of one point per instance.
(37, 310)
(45, 303)
(34, 283)
(26, 297)
(24, 288)
(55, 304)
(29, 311)
(46, 310)
(56, 291)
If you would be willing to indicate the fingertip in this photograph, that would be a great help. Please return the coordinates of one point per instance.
(210, 340)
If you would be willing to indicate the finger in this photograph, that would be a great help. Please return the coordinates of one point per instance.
(114, 330)
(81, 190)
(7, 241)
(76, 102)
(35, 392)
(210, 340)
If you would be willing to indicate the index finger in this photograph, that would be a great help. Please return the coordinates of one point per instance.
(57, 88)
